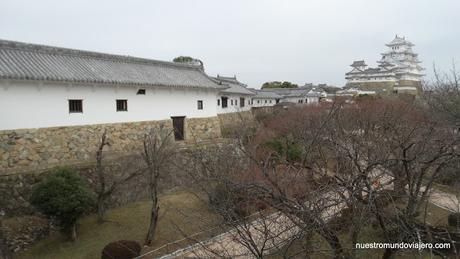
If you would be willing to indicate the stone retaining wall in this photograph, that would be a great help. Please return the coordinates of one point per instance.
(230, 122)
(379, 87)
(15, 189)
(37, 149)
(384, 88)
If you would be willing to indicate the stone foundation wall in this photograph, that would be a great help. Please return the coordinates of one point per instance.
(229, 122)
(416, 84)
(15, 189)
(388, 86)
(199, 129)
(37, 149)
(374, 86)
(235, 118)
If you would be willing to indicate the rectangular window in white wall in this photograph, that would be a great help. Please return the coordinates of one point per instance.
(75, 106)
(122, 105)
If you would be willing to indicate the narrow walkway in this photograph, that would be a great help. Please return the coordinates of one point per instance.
(278, 228)
(444, 200)
(266, 232)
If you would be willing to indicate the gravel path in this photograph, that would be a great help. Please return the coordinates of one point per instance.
(279, 227)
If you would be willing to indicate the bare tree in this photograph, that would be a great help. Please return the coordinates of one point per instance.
(443, 95)
(159, 151)
(105, 188)
(397, 142)
(257, 174)
(329, 169)
(249, 227)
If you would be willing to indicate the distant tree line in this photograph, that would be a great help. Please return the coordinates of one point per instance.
(278, 84)
(183, 59)
(187, 59)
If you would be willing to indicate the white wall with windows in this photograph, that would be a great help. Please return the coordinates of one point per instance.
(298, 100)
(263, 102)
(36, 105)
(233, 103)
(302, 99)
(312, 100)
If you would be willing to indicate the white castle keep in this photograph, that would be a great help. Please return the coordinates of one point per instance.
(399, 70)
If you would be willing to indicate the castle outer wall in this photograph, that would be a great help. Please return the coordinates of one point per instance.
(37, 149)
(389, 88)
(37, 131)
(32, 104)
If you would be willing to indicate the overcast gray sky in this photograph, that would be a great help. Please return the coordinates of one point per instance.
(258, 40)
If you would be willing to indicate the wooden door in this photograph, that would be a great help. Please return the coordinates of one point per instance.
(178, 124)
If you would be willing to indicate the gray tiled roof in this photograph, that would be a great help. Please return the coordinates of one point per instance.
(22, 61)
(237, 89)
(229, 79)
(308, 91)
(372, 71)
(399, 41)
(288, 92)
(385, 64)
(358, 63)
(266, 95)
(234, 86)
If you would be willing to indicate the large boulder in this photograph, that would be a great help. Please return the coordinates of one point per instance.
(122, 249)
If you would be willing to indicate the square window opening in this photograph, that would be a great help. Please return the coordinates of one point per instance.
(75, 106)
(122, 105)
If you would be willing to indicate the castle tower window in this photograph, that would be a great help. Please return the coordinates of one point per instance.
(218, 102)
(224, 102)
(141, 92)
(75, 106)
(122, 105)
(200, 105)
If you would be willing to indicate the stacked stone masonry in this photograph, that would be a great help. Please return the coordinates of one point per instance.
(27, 150)
(235, 118)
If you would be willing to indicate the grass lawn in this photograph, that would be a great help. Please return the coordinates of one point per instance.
(178, 210)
